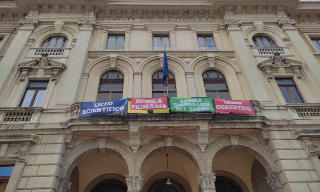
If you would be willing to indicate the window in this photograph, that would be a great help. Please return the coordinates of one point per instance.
(206, 42)
(226, 184)
(160, 42)
(115, 42)
(289, 90)
(5, 173)
(34, 94)
(111, 86)
(55, 42)
(263, 41)
(159, 90)
(215, 85)
(316, 43)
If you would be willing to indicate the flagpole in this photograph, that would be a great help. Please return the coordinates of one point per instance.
(167, 77)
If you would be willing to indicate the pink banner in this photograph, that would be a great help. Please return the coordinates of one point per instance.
(234, 106)
(149, 104)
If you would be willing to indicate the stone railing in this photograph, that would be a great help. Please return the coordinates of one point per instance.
(305, 110)
(49, 51)
(270, 50)
(19, 115)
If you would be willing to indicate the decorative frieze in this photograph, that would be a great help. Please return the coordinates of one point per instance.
(287, 24)
(273, 180)
(28, 24)
(86, 25)
(206, 181)
(134, 183)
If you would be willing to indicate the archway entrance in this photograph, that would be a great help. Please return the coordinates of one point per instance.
(162, 185)
(225, 184)
(110, 185)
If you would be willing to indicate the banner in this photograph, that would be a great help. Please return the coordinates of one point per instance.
(90, 109)
(191, 105)
(154, 105)
(234, 106)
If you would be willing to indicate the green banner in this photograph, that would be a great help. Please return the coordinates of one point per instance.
(191, 105)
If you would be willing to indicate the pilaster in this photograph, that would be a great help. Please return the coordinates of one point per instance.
(134, 182)
(206, 182)
(127, 39)
(137, 80)
(191, 84)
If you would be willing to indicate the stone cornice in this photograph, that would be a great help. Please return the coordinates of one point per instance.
(287, 24)
(28, 24)
(86, 25)
(16, 137)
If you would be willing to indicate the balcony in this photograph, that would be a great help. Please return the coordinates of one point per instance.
(305, 110)
(270, 51)
(49, 51)
(19, 115)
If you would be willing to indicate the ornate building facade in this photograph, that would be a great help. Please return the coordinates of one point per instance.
(57, 54)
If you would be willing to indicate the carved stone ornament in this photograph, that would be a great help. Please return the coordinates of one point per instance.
(28, 24)
(50, 66)
(287, 24)
(134, 183)
(280, 64)
(233, 25)
(256, 106)
(86, 25)
(274, 180)
(64, 185)
(206, 181)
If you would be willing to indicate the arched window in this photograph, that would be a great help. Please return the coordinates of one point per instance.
(215, 84)
(162, 186)
(110, 185)
(111, 86)
(263, 41)
(55, 42)
(226, 184)
(159, 90)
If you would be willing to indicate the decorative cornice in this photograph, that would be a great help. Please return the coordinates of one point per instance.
(206, 181)
(233, 25)
(86, 25)
(28, 24)
(287, 24)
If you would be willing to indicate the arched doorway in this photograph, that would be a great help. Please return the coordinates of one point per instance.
(110, 185)
(162, 185)
(225, 184)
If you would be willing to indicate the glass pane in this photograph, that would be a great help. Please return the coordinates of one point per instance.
(215, 86)
(211, 44)
(104, 76)
(111, 42)
(65, 43)
(44, 44)
(120, 76)
(286, 95)
(103, 97)
(266, 42)
(28, 98)
(202, 44)
(113, 75)
(295, 95)
(172, 94)
(116, 96)
(315, 42)
(52, 42)
(158, 86)
(260, 44)
(212, 74)
(212, 94)
(171, 86)
(6, 171)
(120, 42)
(157, 94)
(59, 43)
(38, 100)
(165, 43)
(42, 84)
(171, 76)
(285, 82)
(111, 87)
(156, 43)
(224, 95)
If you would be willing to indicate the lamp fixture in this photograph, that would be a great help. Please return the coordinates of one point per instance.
(168, 180)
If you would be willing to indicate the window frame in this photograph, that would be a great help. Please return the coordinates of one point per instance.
(215, 80)
(35, 93)
(7, 178)
(161, 41)
(110, 81)
(115, 42)
(318, 41)
(271, 41)
(288, 91)
(160, 81)
(47, 42)
(206, 42)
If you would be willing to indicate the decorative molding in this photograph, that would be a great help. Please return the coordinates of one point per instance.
(273, 180)
(86, 25)
(28, 24)
(50, 66)
(18, 138)
(233, 25)
(206, 181)
(287, 24)
(297, 134)
(278, 63)
(134, 183)
(134, 137)
(203, 137)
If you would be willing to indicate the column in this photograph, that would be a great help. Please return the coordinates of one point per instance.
(137, 84)
(77, 61)
(134, 182)
(249, 63)
(172, 40)
(13, 53)
(191, 84)
(206, 182)
(127, 39)
(302, 47)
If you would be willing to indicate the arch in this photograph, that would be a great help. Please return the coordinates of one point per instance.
(103, 177)
(226, 66)
(82, 150)
(152, 64)
(102, 64)
(260, 152)
(186, 147)
(272, 32)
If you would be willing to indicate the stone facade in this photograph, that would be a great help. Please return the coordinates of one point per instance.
(53, 150)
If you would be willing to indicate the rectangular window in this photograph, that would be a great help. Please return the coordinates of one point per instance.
(206, 42)
(5, 173)
(316, 43)
(160, 42)
(115, 42)
(289, 90)
(34, 94)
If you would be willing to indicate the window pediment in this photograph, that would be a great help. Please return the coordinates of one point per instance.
(50, 66)
(280, 65)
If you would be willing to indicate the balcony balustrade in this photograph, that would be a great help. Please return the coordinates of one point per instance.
(19, 115)
(305, 110)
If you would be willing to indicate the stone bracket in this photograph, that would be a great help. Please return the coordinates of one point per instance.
(134, 137)
(203, 137)
(264, 137)
(211, 59)
(113, 60)
(102, 142)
